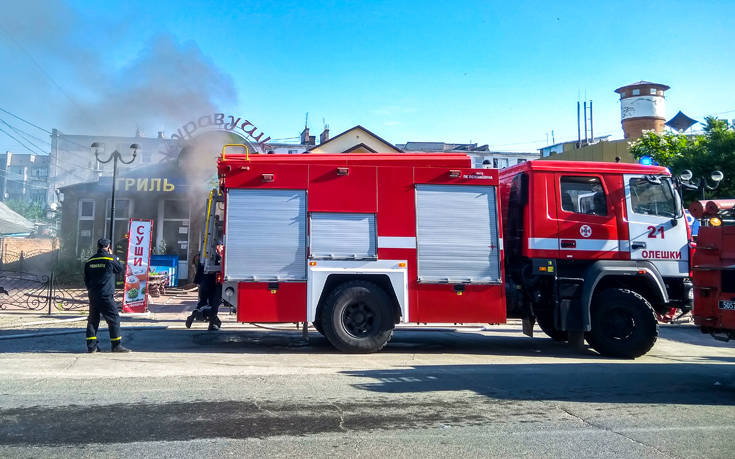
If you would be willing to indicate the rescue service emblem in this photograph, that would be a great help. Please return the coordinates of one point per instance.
(585, 230)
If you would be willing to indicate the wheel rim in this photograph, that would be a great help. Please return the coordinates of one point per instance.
(359, 319)
(618, 324)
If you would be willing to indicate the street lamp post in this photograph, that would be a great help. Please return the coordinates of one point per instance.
(701, 183)
(114, 157)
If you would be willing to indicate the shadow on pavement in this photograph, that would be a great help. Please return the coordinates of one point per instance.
(288, 340)
(676, 383)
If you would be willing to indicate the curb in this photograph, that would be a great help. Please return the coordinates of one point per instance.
(45, 322)
(69, 332)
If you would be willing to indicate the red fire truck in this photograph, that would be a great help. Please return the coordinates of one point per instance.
(357, 243)
(713, 265)
(595, 248)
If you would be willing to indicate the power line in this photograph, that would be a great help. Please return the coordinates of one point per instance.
(20, 134)
(24, 120)
(17, 140)
(27, 134)
(41, 69)
(71, 172)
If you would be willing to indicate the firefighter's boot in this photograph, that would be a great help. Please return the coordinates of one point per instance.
(119, 348)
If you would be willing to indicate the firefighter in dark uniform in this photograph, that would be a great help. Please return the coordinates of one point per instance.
(99, 277)
(210, 294)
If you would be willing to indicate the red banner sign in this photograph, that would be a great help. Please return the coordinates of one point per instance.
(135, 298)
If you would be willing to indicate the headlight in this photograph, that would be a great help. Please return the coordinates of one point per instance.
(229, 292)
(690, 295)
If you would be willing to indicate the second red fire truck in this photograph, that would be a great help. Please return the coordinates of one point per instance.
(357, 243)
(714, 269)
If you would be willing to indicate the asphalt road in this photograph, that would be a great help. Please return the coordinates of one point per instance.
(251, 392)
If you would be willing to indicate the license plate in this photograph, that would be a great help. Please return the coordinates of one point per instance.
(727, 305)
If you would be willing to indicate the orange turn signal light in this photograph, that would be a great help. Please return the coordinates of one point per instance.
(312, 263)
(402, 264)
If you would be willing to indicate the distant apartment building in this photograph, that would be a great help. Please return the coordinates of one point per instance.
(24, 177)
(481, 155)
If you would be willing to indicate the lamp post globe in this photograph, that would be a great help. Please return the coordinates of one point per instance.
(115, 156)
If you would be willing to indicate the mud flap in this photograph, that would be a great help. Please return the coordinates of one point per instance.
(571, 315)
(528, 326)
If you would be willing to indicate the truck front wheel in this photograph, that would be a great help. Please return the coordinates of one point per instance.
(623, 324)
(357, 317)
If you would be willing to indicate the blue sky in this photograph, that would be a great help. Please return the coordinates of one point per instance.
(501, 73)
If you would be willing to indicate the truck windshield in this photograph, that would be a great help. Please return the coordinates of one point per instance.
(654, 197)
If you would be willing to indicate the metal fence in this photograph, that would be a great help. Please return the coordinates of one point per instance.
(32, 291)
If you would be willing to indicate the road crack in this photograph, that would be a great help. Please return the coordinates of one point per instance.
(264, 410)
(613, 431)
(341, 417)
(68, 367)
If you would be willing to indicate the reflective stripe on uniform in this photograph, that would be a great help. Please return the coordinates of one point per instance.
(116, 339)
(93, 337)
(100, 258)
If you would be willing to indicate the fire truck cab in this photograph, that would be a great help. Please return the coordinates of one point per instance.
(358, 243)
(595, 248)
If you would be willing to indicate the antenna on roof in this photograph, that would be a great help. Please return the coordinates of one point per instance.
(306, 121)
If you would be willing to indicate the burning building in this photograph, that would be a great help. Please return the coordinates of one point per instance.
(168, 183)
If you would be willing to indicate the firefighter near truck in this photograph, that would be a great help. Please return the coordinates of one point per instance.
(357, 243)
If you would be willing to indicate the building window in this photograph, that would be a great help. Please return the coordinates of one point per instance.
(123, 212)
(292, 152)
(85, 225)
(38, 196)
(636, 92)
(583, 195)
(174, 230)
(653, 91)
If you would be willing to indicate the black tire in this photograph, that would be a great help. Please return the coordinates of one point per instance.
(356, 317)
(545, 320)
(317, 324)
(623, 324)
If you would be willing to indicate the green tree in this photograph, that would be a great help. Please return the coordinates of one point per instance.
(33, 211)
(665, 149)
(702, 154)
(720, 145)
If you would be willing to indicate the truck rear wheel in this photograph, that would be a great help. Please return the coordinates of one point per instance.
(623, 324)
(357, 317)
(545, 320)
